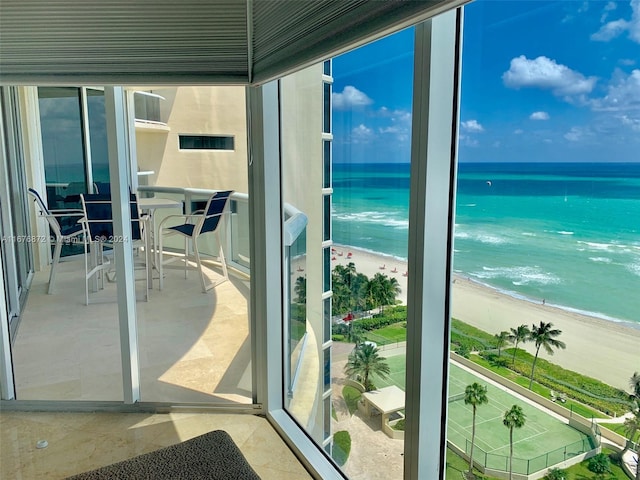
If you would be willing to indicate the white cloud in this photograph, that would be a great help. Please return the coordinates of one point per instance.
(546, 73)
(349, 98)
(615, 28)
(468, 141)
(361, 134)
(397, 115)
(607, 8)
(627, 62)
(472, 126)
(633, 123)
(539, 116)
(578, 134)
(518, 131)
(610, 30)
(400, 123)
(623, 93)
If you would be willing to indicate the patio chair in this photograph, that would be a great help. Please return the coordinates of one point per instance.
(98, 220)
(196, 224)
(64, 232)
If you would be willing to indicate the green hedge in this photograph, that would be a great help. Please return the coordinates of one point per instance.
(587, 390)
(341, 447)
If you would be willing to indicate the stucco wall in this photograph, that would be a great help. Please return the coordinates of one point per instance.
(197, 111)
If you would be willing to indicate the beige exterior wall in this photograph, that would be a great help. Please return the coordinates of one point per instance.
(196, 111)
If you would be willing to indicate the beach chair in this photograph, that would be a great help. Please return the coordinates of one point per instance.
(196, 224)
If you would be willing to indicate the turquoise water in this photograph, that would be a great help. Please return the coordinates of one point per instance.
(566, 233)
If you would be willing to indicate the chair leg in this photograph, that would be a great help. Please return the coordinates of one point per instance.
(160, 262)
(54, 264)
(199, 263)
(86, 274)
(186, 255)
(221, 259)
(148, 284)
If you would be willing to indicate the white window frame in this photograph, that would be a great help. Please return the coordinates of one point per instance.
(433, 160)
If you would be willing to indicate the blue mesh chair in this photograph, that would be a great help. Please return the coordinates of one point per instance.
(196, 224)
(68, 231)
(98, 220)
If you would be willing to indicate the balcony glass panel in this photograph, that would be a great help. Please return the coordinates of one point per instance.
(365, 218)
(193, 347)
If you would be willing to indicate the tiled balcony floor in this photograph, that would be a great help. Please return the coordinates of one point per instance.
(194, 347)
(80, 442)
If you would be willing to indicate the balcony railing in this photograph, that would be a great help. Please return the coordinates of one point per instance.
(237, 236)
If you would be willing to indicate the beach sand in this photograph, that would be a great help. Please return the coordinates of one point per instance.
(606, 350)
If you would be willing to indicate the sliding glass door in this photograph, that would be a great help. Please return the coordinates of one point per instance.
(74, 144)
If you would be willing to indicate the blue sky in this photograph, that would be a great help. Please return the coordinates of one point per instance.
(541, 81)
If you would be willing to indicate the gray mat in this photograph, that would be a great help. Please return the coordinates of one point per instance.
(213, 455)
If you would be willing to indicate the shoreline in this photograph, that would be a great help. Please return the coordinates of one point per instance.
(596, 347)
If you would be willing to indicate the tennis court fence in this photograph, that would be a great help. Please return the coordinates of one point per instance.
(523, 466)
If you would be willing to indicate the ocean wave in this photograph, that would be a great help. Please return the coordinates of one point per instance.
(600, 259)
(634, 268)
(469, 205)
(387, 219)
(588, 313)
(519, 275)
(529, 234)
(564, 232)
(612, 247)
(486, 238)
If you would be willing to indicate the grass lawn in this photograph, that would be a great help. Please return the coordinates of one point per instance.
(547, 373)
(541, 434)
(581, 472)
(389, 334)
(577, 407)
(456, 465)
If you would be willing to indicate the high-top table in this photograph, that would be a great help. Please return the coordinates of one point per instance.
(150, 205)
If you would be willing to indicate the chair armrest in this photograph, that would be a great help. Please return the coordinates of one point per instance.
(169, 217)
(66, 211)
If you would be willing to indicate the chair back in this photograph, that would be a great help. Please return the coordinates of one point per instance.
(44, 211)
(214, 209)
(99, 216)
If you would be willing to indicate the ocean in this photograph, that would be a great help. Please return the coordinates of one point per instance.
(565, 233)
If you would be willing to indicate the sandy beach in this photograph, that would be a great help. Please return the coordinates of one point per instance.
(602, 349)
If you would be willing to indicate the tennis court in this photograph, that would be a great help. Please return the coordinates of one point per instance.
(540, 435)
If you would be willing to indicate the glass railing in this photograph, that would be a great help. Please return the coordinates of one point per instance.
(236, 237)
(147, 107)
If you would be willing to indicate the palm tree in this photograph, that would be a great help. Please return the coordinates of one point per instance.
(474, 395)
(513, 418)
(517, 335)
(301, 290)
(382, 290)
(544, 336)
(634, 383)
(501, 339)
(631, 427)
(364, 361)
